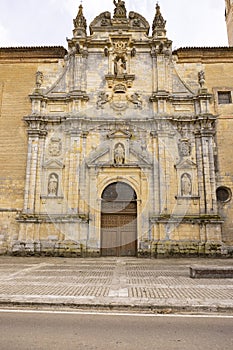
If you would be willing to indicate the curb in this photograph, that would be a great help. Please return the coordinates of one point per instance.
(142, 308)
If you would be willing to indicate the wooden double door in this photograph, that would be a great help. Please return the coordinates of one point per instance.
(119, 221)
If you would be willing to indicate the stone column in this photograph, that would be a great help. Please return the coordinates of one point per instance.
(200, 175)
(83, 195)
(40, 159)
(154, 71)
(74, 160)
(156, 174)
(206, 172)
(78, 73)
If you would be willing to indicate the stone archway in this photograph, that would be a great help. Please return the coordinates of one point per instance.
(119, 220)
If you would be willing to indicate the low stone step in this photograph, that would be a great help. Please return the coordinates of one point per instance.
(211, 272)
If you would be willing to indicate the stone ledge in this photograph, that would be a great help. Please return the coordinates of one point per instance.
(211, 272)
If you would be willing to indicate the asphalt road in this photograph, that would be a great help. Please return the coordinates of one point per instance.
(67, 331)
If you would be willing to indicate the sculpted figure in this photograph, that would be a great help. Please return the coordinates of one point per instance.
(201, 78)
(39, 79)
(135, 99)
(186, 185)
(102, 99)
(119, 154)
(120, 10)
(53, 185)
(119, 66)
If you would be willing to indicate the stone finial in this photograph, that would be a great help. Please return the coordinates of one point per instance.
(80, 23)
(120, 10)
(159, 23)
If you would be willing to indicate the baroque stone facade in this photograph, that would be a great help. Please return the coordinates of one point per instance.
(127, 145)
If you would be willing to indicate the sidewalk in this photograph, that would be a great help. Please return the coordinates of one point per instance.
(162, 286)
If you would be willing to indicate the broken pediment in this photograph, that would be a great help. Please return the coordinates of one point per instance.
(100, 22)
(119, 134)
(60, 86)
(98, 155)
(140, 153)
(186, 164)
(53, 164)
(179, 87)
(134, 22)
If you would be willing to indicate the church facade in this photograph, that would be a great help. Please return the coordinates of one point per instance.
(119, 146)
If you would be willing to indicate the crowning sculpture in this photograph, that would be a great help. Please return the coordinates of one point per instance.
(120, 10)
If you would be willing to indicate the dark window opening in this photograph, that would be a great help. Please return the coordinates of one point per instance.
(224, 97)
(223, 194)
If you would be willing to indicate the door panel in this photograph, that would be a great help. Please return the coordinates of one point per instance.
(118, 235)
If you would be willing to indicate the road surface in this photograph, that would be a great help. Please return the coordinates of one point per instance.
(40, 330)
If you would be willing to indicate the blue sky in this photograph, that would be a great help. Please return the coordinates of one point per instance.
(49, 22)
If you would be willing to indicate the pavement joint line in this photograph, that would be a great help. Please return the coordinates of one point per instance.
(24, 271)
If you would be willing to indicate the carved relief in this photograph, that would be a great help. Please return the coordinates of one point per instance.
(53, 185)
(135, 99)
(55, 147)
(186, 185)
(106, 20)
(119, 102)
(120, 46)
(102, 99)
(184, 148)
(119, 154)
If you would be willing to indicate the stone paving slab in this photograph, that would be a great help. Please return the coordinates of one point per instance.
(109, 282)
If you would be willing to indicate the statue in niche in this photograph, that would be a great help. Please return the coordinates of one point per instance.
(186, 185)
(119, 66)
(119, 154)
(53, 185)
(120, 10)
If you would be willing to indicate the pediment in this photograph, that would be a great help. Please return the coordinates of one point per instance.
(186, 164)
(119, 134)
(134, 22)
(53, 164)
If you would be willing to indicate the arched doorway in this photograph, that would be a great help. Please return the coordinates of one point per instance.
(119, 220)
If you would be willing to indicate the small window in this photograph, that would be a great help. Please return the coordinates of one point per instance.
(224, 97)
(223, 194)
